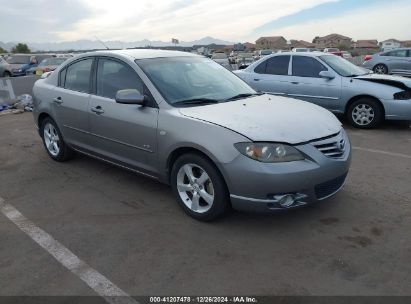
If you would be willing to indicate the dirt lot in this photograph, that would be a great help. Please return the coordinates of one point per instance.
(129, 228)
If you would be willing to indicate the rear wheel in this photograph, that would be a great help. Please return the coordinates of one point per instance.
(380, 69)
(53, 141)
(365, 113)
(199, 187)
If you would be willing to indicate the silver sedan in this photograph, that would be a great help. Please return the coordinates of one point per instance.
(187, 121)
(335, 84)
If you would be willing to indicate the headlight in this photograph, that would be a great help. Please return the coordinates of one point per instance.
(269, 152)
(404, 95)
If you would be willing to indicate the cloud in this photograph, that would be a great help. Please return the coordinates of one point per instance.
(27, 20)
(184, 19)
(388, 20)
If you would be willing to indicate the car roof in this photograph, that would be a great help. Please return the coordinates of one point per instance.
(143, 53)
(310, 54)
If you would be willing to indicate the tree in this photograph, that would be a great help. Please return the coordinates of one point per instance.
(21, 48)
(2, 50)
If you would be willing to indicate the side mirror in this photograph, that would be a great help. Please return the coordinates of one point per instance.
(130, 96)
(327, 75)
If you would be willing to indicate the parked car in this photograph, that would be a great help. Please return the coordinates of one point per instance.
(335, 84)
(334, 51)
(222, 59)
(186, 121)
(47, 65)
(5, 68)
(346, 55)
(300, 50)
(20, 63)
(262, 53)
(244, 59)
(397, 61)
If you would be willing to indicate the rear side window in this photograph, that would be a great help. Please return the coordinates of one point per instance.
(398, 53)
(260, 69)
(77, 76)
(304, 66)
(277, 65)
(113, 76)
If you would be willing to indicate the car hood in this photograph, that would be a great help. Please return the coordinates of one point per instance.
(395, 81)
(269, 118)
(17, 65)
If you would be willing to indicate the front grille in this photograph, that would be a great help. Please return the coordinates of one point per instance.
(328, 188)
(333, 147)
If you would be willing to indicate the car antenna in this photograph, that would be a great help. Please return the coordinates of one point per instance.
(102, 43)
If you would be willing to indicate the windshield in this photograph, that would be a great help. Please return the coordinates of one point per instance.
(342, 66)
(219, 56)
(18, 59)
(52, 61)
(180, 79)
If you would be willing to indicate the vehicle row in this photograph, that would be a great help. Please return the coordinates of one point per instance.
(29, 64)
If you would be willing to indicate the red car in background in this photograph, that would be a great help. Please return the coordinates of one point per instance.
(334, 51)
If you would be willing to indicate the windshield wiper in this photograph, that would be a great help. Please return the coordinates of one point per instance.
(195, 101)
(244, 95)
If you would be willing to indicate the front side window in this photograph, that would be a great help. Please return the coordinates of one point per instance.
(277, 65)
(77, 76)
(113, 76)
(184, 79)
(304, 66)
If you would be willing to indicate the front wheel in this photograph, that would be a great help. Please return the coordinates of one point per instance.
(199, 187)
(365, 113)
(53, 141)
(6, 74)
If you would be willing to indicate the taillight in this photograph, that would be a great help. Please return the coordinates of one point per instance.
(368, 57)
(46, 70)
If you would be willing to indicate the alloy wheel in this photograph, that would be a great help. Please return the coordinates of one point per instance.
(195, 188)
(51, 139)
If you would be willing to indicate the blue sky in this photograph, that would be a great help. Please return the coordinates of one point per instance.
(327, 10)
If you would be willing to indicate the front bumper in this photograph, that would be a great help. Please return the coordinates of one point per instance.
(397, 109)
(263, 187)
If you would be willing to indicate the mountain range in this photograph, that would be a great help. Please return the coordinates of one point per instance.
(96, 44)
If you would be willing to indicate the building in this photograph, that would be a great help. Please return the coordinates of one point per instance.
(272, 43)
(406, 43)
(390, 44)
(333, 41)
(301, 44)
(366, 44)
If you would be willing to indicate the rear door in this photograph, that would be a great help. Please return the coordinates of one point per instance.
(272, 75)
(125, 133)
(397, 61)
(71, 101)
(306, 83)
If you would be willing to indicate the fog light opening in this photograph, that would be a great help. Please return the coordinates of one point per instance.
(285, 201)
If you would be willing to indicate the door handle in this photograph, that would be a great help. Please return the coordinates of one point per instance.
(58, 100)
(294, 82)
(256, 79)
(97, 110)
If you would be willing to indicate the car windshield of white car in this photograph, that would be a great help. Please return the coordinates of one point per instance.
(192, 80)
(343, 66)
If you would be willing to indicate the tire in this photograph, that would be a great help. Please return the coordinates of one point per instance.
(53, 141)
(380, 69)
(6, 74)
(199, 186)
(365, 113)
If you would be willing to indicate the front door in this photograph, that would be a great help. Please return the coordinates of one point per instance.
(121, 132)
(306, 83)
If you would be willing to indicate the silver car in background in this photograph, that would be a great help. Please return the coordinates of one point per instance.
(396, 61)
(222, 59)
(186, 121)
(335, 84)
